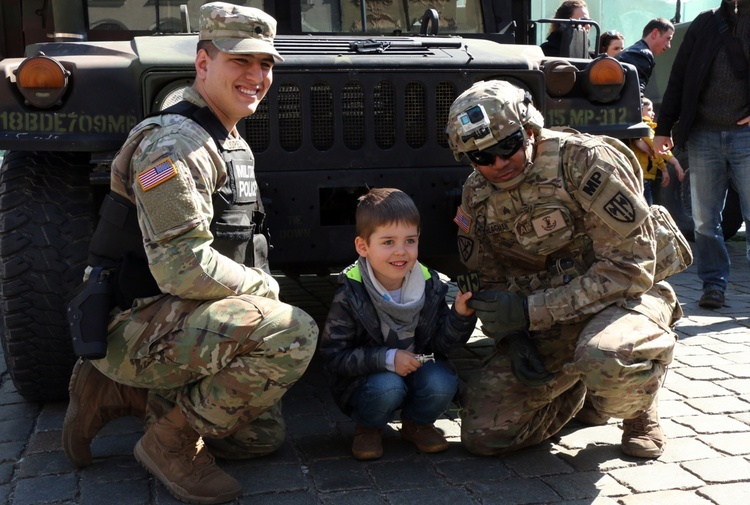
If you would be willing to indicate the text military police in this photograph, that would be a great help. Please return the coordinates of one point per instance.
(199, 340)
(556, 229)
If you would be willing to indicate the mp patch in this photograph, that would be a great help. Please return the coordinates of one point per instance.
(157, 174)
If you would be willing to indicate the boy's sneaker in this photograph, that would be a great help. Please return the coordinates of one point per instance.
(426, 437)
(368, 443)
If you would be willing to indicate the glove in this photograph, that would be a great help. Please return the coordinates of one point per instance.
(501, 312)
(525, 361)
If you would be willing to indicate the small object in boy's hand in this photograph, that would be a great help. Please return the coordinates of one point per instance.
(424, 358)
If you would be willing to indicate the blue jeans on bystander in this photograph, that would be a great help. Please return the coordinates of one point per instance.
(716, 158)
(422, 395)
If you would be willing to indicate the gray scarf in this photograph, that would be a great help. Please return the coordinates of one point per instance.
(397, 320)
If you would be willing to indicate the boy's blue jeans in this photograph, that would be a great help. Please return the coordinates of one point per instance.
(422, 395)
(715, 159)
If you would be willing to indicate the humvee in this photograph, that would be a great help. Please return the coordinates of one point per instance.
(361, 101)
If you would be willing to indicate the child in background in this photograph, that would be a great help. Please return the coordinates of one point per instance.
(651, 161)
(612, 43)
(388, 311)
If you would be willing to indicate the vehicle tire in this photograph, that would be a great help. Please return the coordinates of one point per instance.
(46, 221)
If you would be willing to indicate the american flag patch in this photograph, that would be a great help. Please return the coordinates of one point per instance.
(462, 220)
(162, 171)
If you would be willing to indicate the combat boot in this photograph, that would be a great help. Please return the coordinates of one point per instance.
(642, 436)
(174, 453)
(368, 443)
(95, 400)
(426, 437)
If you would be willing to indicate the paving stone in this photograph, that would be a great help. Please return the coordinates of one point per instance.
(432, 496)
(337, 475)
(727, 493)
(513, 492)
(738, 371)
(719, 405)
(695, 388)
(724, 470)
(272, 478)
(402, 475)
(686, 449)
(463, 471)
(704, 373)
(14, 429)
(44, 463)
(738, 386)
(536, 463)
(665, 497)
(731, 443)
(126, 492)
(50, 488)
(653, 476)
(293, 498)
(712, 423)
(358, 497)
(701, 360)
(675, 408)
(6, 472)
(583, 485)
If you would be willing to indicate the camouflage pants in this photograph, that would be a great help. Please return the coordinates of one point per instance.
(226, 363)
(618, 355)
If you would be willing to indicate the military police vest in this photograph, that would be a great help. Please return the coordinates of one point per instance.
(238, 219)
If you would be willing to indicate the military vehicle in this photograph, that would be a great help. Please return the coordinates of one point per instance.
(350, 108)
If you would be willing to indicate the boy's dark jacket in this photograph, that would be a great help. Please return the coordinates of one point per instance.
(352, 344)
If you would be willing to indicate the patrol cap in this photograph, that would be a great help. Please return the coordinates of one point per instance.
(238, 29)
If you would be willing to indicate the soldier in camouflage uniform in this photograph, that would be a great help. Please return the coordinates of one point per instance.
(199, 327)
(556, 228)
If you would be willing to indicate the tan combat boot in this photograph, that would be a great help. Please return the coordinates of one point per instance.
(95, 400)
(426, 437)
(174, 453)
(642, 436)
(368, 443)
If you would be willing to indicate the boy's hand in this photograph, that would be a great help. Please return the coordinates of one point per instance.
(461, 306)
(665, 177)
(643, 146)
(677, 168)
(405, 362)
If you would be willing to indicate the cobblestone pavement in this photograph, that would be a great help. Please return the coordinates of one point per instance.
(705, 410)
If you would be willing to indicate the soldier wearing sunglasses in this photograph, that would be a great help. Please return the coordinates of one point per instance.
(555, 227)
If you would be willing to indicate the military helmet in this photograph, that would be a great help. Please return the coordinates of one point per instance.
(488, 112)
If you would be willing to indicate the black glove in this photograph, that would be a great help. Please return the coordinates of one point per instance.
(501, 312)
(525, 361)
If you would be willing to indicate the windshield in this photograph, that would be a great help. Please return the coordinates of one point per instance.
(148, 16)
(316, 16)
(389, 16)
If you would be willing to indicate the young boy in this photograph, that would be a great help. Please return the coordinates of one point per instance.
(651, 161)
(388, 312)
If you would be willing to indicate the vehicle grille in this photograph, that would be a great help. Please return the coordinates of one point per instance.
(367, 115)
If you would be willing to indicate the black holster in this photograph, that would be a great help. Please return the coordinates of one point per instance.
(88, 315)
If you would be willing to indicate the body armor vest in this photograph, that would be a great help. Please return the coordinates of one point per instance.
(538, 225)
(238, 220)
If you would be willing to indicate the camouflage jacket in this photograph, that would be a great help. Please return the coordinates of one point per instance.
(170, 167)
(573, 237)
(352, 344)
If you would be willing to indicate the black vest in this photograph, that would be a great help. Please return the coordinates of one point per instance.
(238, 219)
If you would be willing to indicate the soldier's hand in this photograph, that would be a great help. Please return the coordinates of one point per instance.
(501, 312)
(525, 361)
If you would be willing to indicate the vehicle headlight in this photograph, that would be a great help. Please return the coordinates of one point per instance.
(171, 94)
(42, 81)
(603, 79)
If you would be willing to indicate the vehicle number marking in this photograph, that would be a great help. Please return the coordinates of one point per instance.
(49, 122)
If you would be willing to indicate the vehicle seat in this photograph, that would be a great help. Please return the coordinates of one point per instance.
(575, 42)
(383, 16)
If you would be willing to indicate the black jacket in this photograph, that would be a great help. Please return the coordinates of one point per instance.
(690, 72)
(640, 56)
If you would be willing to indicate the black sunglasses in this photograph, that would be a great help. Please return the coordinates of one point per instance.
(504, 149)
